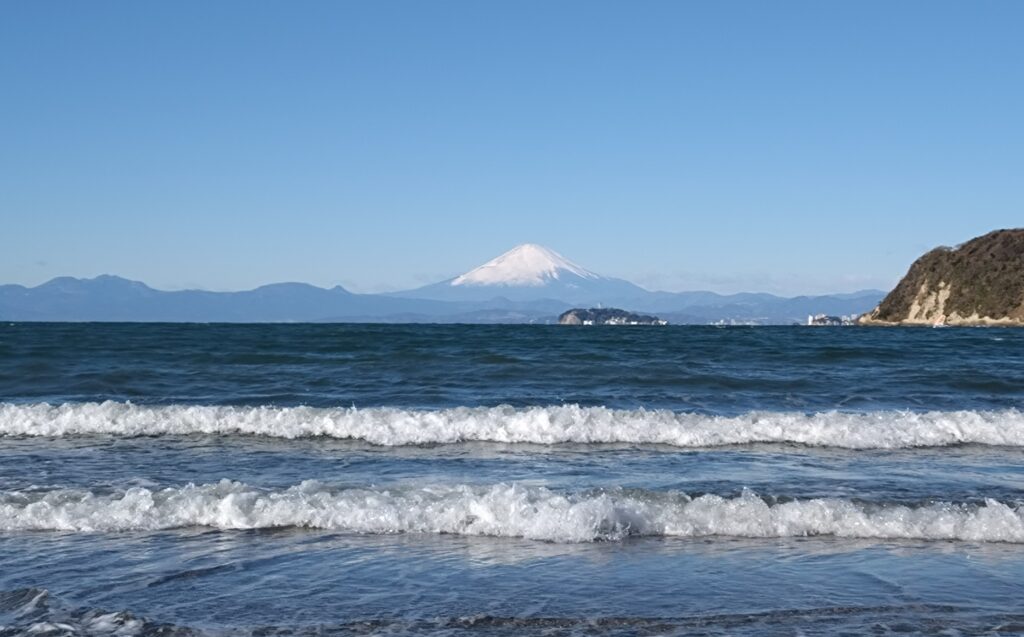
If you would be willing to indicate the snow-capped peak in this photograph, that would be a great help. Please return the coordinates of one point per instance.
(528, 264)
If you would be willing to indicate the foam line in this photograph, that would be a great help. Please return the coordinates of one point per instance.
(506, 510)
(536, 425)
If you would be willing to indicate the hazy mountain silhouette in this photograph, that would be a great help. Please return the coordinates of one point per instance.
(527, 284)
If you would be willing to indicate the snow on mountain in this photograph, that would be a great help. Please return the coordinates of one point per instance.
(528, 264)
(530, 273)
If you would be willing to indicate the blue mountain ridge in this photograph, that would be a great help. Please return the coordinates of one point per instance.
(112, 298)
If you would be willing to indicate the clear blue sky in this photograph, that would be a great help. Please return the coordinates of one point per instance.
(791, 147)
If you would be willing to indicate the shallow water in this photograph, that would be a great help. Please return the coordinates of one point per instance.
(173, 479)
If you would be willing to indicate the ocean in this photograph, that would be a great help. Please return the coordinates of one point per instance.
(161, 479)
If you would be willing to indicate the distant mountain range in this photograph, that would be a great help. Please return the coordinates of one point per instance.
(528, 284)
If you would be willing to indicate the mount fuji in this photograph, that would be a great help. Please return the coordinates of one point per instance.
(527, 273)
(529, 283)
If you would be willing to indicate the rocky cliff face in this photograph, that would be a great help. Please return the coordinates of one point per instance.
(978, 283)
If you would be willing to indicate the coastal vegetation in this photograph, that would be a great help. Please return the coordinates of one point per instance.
(607, 316)
(980, 282)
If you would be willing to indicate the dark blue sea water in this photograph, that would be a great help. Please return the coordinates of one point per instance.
(510, 480)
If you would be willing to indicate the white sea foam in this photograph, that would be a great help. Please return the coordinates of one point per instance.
(508, 510)
(537, 425)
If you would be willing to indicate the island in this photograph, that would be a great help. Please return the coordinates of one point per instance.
(607, 316)
(980, 282)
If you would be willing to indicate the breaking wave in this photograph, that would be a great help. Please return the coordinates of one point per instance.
(504, 510)
(537, 425)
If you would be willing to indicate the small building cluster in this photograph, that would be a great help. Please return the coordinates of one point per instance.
(825, 319)
(732, 322)
(607, 316)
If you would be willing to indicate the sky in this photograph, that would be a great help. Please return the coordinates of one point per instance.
(788, 147)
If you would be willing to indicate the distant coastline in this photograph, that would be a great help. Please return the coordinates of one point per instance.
(607, 316)
(528, 284)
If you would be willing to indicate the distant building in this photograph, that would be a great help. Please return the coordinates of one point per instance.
(825, 319)
(607, 316)
(735, 323)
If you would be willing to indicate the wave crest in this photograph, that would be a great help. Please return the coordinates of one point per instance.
(507, 510)
(537, 425)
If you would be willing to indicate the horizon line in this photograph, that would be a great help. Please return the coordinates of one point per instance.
(398, 293)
